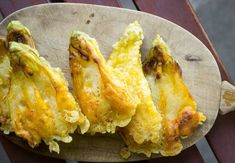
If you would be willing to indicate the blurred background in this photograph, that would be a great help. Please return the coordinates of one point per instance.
(218, 19)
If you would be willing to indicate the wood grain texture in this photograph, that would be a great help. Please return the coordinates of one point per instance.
(51, 26)
(181, 13)
(9, 6)
(114, 3)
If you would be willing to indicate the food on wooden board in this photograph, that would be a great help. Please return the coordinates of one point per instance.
(171, 96)
(40, 106)
(149, 104)
(5, 73)
(105, 98)
(145, 126)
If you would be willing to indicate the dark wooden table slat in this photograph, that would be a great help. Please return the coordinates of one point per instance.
(9, 6)
(222, 138)
(191, 155)
(114, 3)
(19, 155)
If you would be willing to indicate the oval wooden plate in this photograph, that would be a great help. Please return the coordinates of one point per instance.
(51, 26)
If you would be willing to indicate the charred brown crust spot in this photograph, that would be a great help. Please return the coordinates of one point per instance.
(16, 36)
(158, 76)
(186, 118)
(71, 56)
(83, 56)
(159, 70)
(172, 133)
(3, 47)
(155, 62)
(3, 119)
(158, 52)
(25, 68)
(177, 68)
(30, 73)
(149, 64)
(79, 52)
(96, 60)
(158, 61)
(20, 37)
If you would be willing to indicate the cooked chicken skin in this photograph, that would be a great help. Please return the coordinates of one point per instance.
(39, 103)
(145, 126)
(172, 97)
(5, 72)
(104, 98)
(15, 32)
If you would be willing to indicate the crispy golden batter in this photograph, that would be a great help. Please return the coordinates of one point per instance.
(5, 72)
(152, 109)
(145, 126)
(172, 97)
(104, 98)
(39, 103)
(19, 33)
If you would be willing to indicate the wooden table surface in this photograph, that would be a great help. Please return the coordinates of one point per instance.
(220, 138)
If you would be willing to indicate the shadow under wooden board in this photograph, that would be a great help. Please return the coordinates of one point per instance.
(51, 26)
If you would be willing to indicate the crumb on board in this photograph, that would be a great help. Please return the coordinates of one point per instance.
(125, 153)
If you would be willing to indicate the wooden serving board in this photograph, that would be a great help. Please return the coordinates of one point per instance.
(51, 26)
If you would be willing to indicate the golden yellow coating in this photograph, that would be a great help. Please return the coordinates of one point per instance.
(172, 97)
(39, 104)
(16, 31)
(103, 97)
(152, 109)
(145, 126)
(5, 72)
(41, 107)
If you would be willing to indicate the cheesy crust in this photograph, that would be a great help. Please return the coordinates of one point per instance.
(40, 106)
(145, 126)
(172, 97)
(5, 73)
(104, 98)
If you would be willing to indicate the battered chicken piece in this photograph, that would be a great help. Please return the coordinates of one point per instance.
(104, 98)
(5, 72)
(145, 126)
(39, 103)
(16, 31)
(172, 97)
